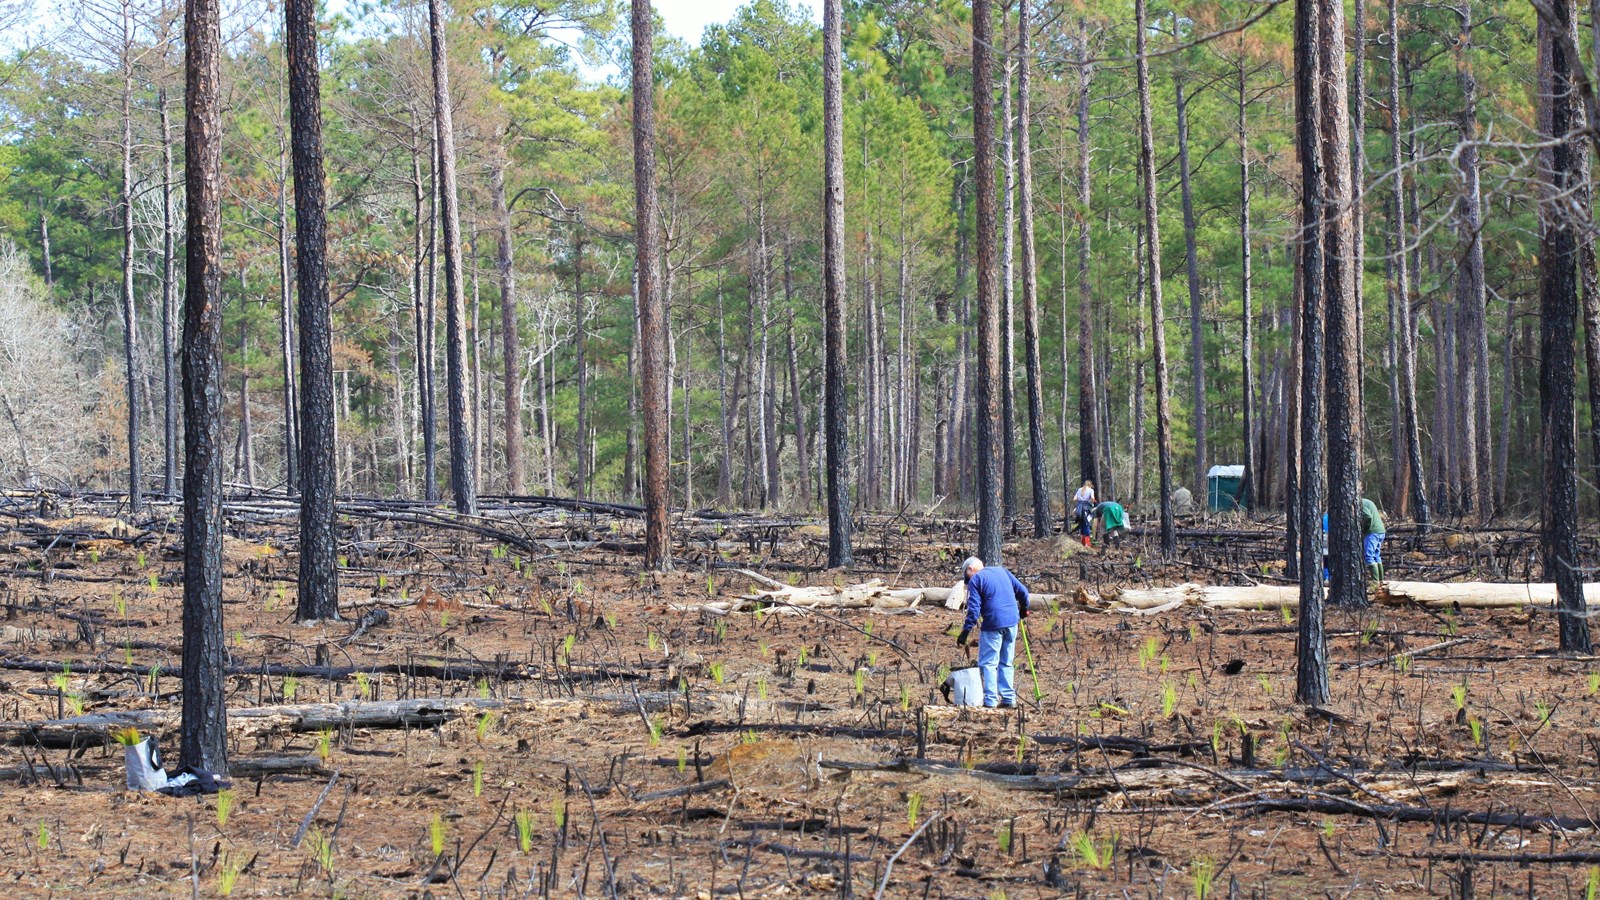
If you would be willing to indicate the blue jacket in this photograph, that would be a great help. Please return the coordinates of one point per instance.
(996, 596)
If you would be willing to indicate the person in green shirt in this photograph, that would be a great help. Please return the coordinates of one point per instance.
(1372, 541)
(1112, 519)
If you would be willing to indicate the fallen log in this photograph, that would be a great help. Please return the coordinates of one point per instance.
(88, 730)
(1477, 594)
(1442, 595)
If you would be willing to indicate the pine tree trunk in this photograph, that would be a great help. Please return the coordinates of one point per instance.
(1197, 343)
(989, 374)
(130, 314)
(580, 314)
(319, 545)
(1471, 295)
(169, 307)
(1158, 316)
(286, 317)
(511, 345)
(834, 424)
(1089, 458)
(1311, 646)
(203, 741)
(1347, 582)
(1558, 289)
(1410, 427)
(1253, 494)
(463, 484)
(1030, 283)
(1008, 286)
(652, 303)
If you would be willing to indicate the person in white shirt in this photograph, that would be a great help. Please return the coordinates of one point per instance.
(1082, 503)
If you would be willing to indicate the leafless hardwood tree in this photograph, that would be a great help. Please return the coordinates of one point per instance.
(988, 462)
(462, 481)
(652, 305)
(319, 544)
(1158, 317)
(204, 740)
(169, 359)
(834, 410)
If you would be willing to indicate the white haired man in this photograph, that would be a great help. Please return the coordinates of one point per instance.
(996, 602)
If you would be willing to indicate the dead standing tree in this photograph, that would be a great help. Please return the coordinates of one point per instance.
(319, 546)
(204, 736)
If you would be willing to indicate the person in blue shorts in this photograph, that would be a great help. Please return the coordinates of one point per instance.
(1373, 533)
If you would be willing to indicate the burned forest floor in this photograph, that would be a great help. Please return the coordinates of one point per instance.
(511, 707)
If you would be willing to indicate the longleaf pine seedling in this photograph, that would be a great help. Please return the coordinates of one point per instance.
(913, 809)
(436, 835)
(718, 672)
(1091, 854)
(325, 744)
(225, 799)
(484, 721)
(655, 731)
(291, 686)
(1169, 699)
(524, 822)
(1003, 839)
(683, 759)
(363, 686)
(1148, 652)
(1458, 695)
(229, 868)
(477, 778)
(1593, 891)
(44, 836)
(558, 810)
(861, 681)
(1201, 873)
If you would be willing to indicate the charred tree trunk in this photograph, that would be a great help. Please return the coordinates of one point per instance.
(1410, 426)
(1158, 316)
(1311, 648)
(580, 313)
(652, 305)
(1558, 289)
(1089, 462)
(203, 743)
(511, 345)
(1030, 281)
(1247, 312)
(834, 425)
(463, 484)
(989, 374)
(169, 308)
(1197, 342)
(130, 314)
(319, 545)
(1347, 582)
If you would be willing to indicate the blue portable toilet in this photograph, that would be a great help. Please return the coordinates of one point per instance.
(1225, 489)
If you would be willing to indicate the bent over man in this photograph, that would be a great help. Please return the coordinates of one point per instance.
(996, 602)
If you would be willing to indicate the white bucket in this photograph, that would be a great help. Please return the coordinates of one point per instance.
(966, 686)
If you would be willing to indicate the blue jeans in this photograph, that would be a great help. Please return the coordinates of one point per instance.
(1372, 548)
(996, 651)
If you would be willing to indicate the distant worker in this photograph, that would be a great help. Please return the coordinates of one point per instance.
(1082, 506)
(1112, 519)
(1373, 533)
(996, 602)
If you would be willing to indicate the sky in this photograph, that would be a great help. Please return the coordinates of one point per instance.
(688, 19)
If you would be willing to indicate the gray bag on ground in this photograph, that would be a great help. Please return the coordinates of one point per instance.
(144, 765)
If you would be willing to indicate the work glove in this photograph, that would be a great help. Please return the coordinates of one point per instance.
(961, 639)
